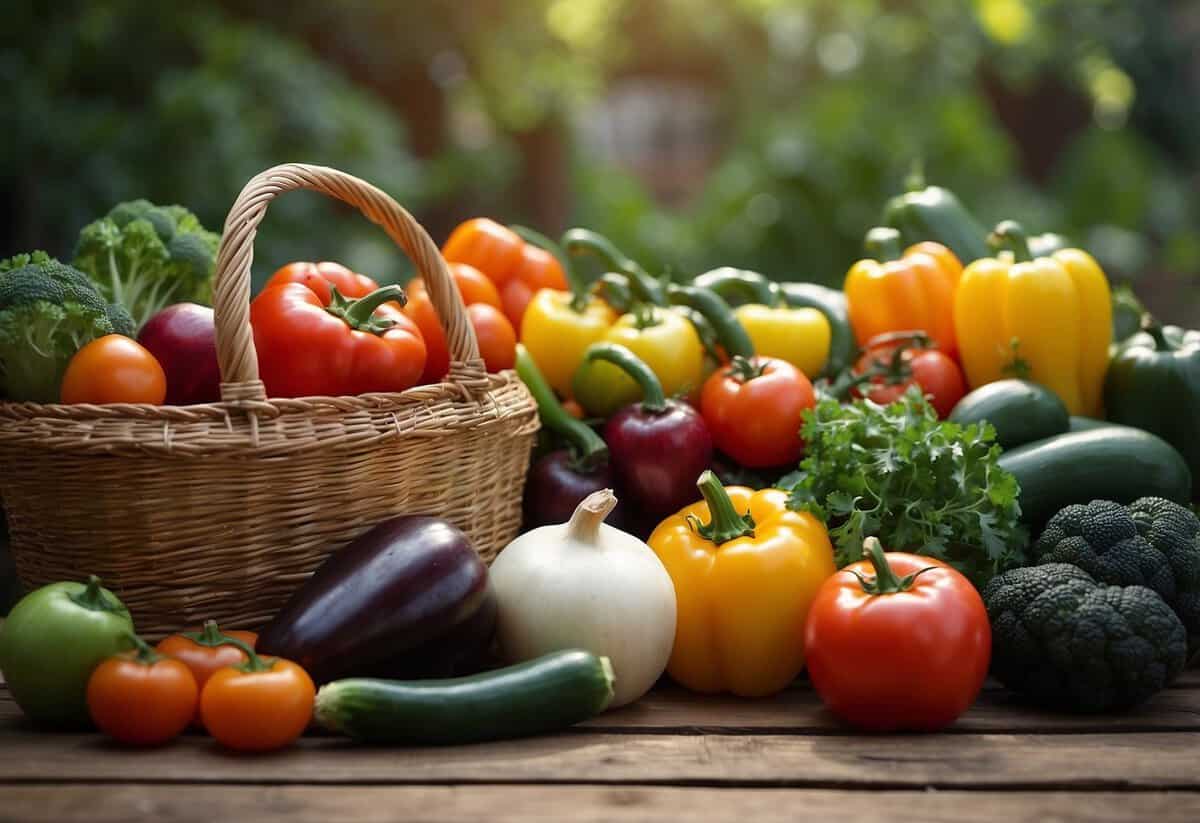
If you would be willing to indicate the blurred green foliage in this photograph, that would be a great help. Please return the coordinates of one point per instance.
(820, 108)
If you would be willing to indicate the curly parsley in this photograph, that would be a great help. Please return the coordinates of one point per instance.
(919, 485)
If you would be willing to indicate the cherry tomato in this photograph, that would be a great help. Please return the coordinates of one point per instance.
(754, 410)
(538, 269)
(319, 276)
(497, 340)
(114, 369)
(907, 646)
(488, 246)
(141, 697)
(419, 309)
(261, 705)
(207, 650)
(938, 375)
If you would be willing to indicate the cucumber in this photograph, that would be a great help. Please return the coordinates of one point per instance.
(1118, 463)
(1020, 411)
(542, 695)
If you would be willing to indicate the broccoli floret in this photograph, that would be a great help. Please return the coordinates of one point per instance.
(146, 257)
(48, 311)
(1065, 641)
(121, 320)
(1152, 542)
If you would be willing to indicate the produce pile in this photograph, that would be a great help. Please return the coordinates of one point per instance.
(975, 458)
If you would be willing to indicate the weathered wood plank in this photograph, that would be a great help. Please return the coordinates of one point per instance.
(496, 804)
(1091, 761)
(671, 710)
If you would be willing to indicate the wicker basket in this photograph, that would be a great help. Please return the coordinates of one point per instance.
(220, 510)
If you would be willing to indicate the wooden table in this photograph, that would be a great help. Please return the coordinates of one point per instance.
(673, 756)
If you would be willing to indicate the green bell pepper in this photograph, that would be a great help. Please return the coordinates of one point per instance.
(1153, 383)
(934, 213)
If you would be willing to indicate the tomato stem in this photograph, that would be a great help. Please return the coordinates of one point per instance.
(745, 369)
(211, 636)
(885, 580)
(93, 597)
(145, 653)
(724, 523)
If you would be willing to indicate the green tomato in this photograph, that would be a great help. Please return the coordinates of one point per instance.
(52, 640)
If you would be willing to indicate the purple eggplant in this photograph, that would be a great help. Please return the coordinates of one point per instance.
(559, 481)
(409, 598)
(658, 446)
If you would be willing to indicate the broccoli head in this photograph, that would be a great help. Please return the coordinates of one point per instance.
(1152, 542)
(48, 311)
(1065, 641)
(146, 257)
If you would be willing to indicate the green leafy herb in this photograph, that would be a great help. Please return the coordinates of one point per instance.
(919, 485)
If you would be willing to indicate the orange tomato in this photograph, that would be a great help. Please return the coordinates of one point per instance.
(538, 269)
(420, 310)
(472, 284)
(114, 369)
(320, 276)
(488, 246)
(497, 340)
(206, 651)
(260, 706)
(142, 698)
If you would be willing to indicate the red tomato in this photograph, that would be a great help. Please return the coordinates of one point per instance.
(938, 375)
(912, 654)
(754, 410)
(538, 269)
(142, 698)
(319, 276)
(114, 369)
(497, 340)
(488, 246)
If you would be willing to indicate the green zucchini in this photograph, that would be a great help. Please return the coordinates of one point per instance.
(1020, 411)
(1118, 463)
(541, 695)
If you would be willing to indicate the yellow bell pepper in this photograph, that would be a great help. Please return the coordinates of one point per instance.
(799, 336)
(556, 332)
(662, 338)
(744, 582)
(1048, 320)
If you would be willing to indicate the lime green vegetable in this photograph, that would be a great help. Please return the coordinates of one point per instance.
(50, 643)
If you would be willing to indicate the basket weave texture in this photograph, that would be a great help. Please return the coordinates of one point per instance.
(221, 510)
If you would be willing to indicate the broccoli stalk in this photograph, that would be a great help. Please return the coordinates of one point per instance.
(146, 257)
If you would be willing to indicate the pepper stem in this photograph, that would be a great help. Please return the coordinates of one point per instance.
(360, 314)
(883, 244)
(584, 525)
(915, 181)
(580, 241)
(588, 448)
(653, 399)
(885, 580)
(724, 523)
(1009, 235)
(1152, 327)
(575, 284)
(94, 597)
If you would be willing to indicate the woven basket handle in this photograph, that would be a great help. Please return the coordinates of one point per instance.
(231, 287)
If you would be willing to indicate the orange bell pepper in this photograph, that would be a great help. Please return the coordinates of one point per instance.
(744, 582)
(488, 246)
(909, 292)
